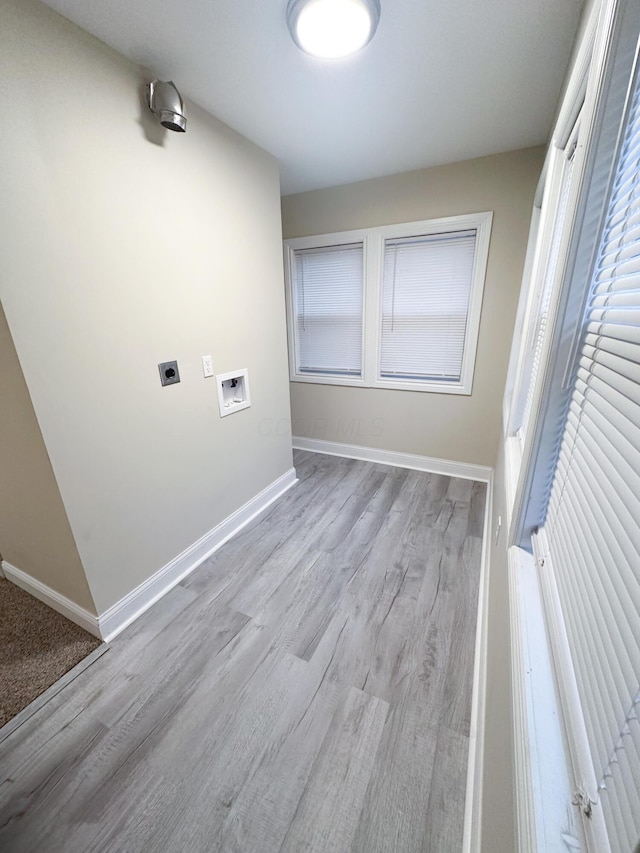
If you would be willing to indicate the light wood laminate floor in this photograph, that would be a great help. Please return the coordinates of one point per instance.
(308, 688)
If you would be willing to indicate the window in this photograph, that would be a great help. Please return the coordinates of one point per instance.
(426, 287)
(577, 505)
(391, 307)
(590, 540)
(328, 299)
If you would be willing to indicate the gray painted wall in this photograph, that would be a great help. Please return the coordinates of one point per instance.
(125, 245)
(446, 426)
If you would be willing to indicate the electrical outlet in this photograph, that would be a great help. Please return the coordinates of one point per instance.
(207, 366)
(169, 373)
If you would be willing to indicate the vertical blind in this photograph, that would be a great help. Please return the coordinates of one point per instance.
(425, 302)
(544, 301)
(591, 536)
(328, 309)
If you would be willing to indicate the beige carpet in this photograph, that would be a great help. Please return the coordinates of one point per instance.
(37, 647)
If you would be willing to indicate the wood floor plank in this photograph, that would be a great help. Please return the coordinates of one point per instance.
(265, 805)
(401, 540)
(457, 697)
(395, 814)
(445, 808)
(247, 576)
(304, 606)
(308, 688)
(327, 816)
(477, 510)
(225, 741)
(99, 772)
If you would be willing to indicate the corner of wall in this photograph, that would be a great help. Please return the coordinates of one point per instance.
(498, 806)
(35, 535)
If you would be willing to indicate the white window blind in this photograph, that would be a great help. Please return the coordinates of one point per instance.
(528, 390)
(328, 310)
(425, 302)
(590, 540)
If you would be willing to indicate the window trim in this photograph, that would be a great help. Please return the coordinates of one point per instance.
(373, 240)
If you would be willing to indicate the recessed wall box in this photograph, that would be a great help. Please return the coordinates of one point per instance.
(169, 373)
(233, 392)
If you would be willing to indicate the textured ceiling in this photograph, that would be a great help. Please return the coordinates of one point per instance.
(442, 80)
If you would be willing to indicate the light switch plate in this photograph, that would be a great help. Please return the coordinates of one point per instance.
(207, 366)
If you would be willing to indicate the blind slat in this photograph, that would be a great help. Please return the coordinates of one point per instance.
(598, 718)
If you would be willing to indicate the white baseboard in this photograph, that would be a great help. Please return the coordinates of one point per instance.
(124, 612)
(472, 837)
(55, 600)
(447, 467)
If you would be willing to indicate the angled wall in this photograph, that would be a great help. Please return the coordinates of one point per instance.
(34, 529)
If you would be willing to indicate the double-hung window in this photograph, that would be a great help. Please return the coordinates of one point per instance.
(589, 544)
(393, 307)
(577, 505)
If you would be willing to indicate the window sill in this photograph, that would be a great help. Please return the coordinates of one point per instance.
(429, 387)
(542, 782)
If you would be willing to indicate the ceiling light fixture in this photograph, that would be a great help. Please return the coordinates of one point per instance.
(332, 29)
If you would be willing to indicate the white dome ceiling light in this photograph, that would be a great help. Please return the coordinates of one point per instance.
(332, 29)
